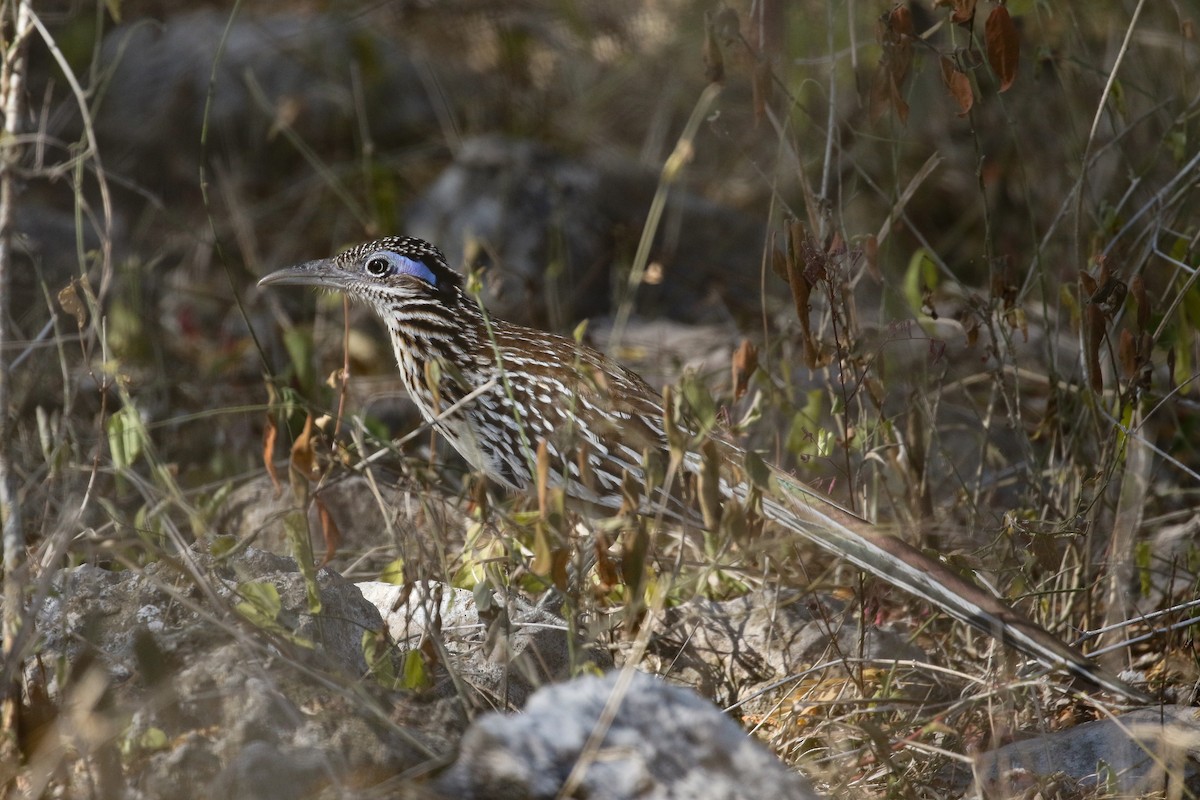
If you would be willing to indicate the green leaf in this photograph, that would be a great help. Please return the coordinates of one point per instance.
(807, 435)
(699, 402)
(261, 606)
(758, 471)
(153, 739)
(376, 428)
(377, 652)
(393, 572)
(580, 329)
(920, 275)
(125, 431)
(1143, 557)
(222, 545)
(295, 528)
(209, 505)
(414, 674)
(260, 603)
(148, 741)
(485, 597)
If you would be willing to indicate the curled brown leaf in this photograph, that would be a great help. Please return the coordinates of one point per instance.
(270, 433)
(304, 454)
(745, 361)
(959, 86)
(329, 530)
(1003, 46)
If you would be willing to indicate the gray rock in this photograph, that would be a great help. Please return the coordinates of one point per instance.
(153, 107)
(663, 742)
(1145, 751)
(551, 228)
(206, 701)
(260, 771)
(130, 620)
(504, 654)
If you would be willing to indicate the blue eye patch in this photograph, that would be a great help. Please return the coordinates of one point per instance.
(383, 263)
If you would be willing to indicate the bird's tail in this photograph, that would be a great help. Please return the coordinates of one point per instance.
(822, 521)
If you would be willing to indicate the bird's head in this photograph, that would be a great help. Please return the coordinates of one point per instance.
(379, 273)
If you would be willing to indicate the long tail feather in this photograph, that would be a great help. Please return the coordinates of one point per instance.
(822, 521)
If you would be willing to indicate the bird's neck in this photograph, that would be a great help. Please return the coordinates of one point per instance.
(429, 331)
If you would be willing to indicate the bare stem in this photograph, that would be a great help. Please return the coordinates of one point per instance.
(12, 87)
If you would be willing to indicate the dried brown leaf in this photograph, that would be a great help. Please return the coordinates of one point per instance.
(636, 542)
(877, 103)
(963, 13)
(329, 530)
(1003, 46)
(870, 250)
(898, 103)
(1088, 283)
(270, 434)
(606, 569)
(801, 290)
(894, 32)
(1137, 286)
(1093, 318)
(971, 327)
(779, 264)
(1143, 348)
(304, 455)
(72, 303)
(745, 361)
(959, 85)
(900, 24)
(1127, 353)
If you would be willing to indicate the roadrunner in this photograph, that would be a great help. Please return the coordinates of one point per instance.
(498, 392)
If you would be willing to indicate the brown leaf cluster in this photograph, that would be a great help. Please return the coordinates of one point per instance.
(1001, 43)
(894, 31)
(1104, 295)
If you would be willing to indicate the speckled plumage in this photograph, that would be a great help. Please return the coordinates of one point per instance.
(496, 390)
(549, 388)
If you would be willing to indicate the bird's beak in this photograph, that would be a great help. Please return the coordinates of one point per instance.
(322, 272)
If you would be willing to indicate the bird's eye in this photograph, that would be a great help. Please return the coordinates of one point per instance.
(384, 263)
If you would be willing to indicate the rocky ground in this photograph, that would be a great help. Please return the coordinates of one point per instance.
(209, 677)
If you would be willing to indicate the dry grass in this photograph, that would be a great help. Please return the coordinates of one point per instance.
(993, 354)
